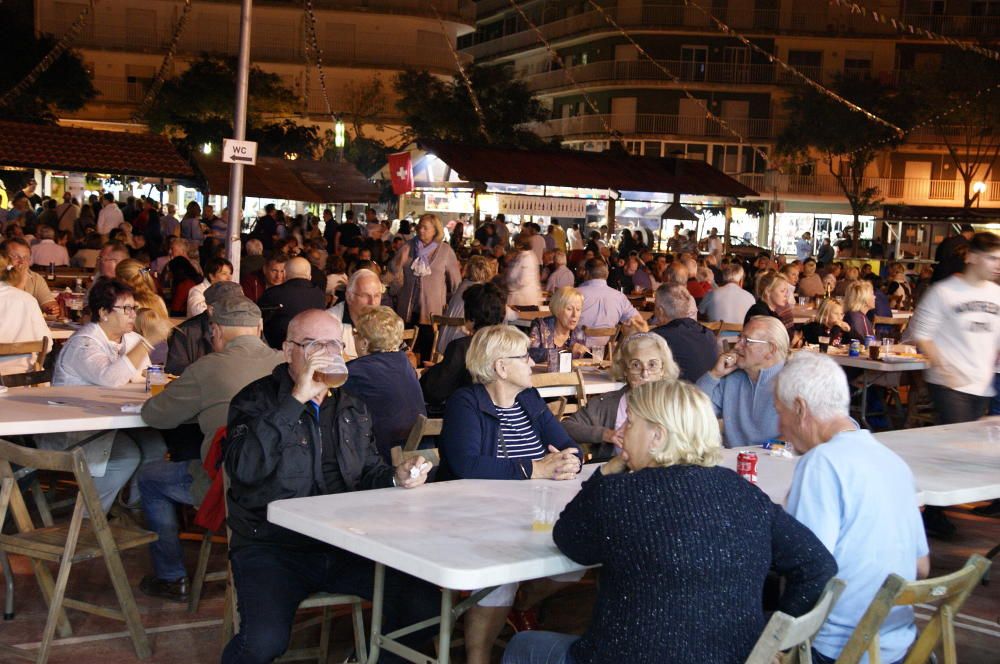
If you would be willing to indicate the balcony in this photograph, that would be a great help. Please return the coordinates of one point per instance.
(119, 90)
(645, 71)
(909, 191)
(673, 16)
(366, 50)
(648, 124)
(956, 26)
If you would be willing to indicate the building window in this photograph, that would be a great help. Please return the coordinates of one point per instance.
(694, 60)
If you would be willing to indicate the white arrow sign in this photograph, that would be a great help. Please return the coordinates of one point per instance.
(239, 152)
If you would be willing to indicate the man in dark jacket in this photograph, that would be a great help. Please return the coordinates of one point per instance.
(693, 345)
(950, 254)
(192, 338)
(284, 302)
(292, 437)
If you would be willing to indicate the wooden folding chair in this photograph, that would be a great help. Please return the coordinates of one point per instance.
(950, 591)
(437, 322)
(713, 325)
(398, 455)
(410, 338)
(422, 427)
(36, 374)
(77, 541)
(730, 327)
(784, 632)
(572, 379)
(326, 601)
(609, 333)
(898, 325)
(557, 407)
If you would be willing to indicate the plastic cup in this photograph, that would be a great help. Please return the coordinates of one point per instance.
(543, 513)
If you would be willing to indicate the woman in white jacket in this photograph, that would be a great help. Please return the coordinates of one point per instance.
(524, 287)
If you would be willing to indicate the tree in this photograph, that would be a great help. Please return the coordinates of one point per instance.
(364, 103)
(197, 106)
(64, 87)
(286, 138)
(970, 85)
(438, 109)
(846, 140)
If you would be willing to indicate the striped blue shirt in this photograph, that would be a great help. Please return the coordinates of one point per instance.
(519, 439)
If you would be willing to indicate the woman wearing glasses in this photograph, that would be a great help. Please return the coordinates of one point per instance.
(499, 428)
(639, 359)
(110, 352)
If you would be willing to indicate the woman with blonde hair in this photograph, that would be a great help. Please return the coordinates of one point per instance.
(499, 428)
(140, 278)
(829, 323)
(640, 359)
(22, 321)
(382, 375)
(428, 270)
(561, 330)
(668, 503)
(859, 299)
(773, 300)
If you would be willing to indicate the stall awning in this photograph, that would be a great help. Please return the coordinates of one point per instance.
(940, 214)
(595, 170)
(294, 180)
(55, 148)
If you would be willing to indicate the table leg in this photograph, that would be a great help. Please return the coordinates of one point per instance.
(447, 625)
(864, 398)
(378, 596)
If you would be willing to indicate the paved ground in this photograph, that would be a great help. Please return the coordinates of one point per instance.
(178, 636)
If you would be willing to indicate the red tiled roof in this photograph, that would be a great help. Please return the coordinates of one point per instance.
(598, 170)
(73, 149)
(298, 180)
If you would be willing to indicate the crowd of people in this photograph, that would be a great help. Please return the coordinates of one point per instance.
(320, 354)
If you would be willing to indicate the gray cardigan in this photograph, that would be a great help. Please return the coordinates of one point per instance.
(587, 425)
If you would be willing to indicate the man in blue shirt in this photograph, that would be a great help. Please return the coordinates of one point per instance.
(741, 384)
(856, 495)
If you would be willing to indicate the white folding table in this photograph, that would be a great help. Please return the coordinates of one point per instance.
(33, 410)
(484, 540)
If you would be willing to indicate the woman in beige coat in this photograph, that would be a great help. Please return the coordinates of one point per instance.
(428, 270)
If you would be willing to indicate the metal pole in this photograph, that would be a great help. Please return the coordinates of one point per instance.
(240, 134)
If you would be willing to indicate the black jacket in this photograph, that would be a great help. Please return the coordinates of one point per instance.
(693, 345)
(275, 450)
(446, 376)
(280, 304)
(188, 342)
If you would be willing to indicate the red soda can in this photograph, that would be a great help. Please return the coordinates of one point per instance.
(746, 466)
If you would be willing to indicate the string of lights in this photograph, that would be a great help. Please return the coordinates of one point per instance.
(466, 81)
(50, 58)
(615, 135)
(168, 58)
(904, 27)
(312, 43)
(678, 81)
(725, 29)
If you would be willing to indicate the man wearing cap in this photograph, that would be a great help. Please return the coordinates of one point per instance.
(203, 392)
(193, 338)
(949, 259)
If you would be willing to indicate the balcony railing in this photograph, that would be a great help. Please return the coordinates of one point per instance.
(831, 20)
(119, 91)
(953, 26)
(366, 49)
(626, 71)
(655, 124)
(911, 191)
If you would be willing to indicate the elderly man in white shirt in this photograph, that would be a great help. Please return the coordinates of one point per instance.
(47, 252)
(562, 275)
(111, 215)
(22, 320)
(364, 291)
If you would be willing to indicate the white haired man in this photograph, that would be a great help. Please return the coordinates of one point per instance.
(694, 346)
(742, 380)
(364, 292)
(730, 301)
(562, 275)
(858, 498)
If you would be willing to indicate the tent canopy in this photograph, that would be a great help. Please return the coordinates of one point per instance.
(595, 170)
(55, 148)
(294, 180)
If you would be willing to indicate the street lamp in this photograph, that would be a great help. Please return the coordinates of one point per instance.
(206, 148)
(979, 187)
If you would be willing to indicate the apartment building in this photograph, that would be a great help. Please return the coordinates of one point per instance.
(124, 42)
(650, 103)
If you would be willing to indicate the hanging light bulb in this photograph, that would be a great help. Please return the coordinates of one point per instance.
(338, 134)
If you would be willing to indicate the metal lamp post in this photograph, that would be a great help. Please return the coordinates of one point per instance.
(240, 134)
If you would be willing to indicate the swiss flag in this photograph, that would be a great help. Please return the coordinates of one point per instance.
(401, 172)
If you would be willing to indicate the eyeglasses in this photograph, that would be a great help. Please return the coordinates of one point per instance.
(313, 346)
(127, 308)
(742, 339)
(524, 357)
(651, 367)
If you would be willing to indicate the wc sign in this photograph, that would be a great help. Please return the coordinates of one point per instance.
(239, 152)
